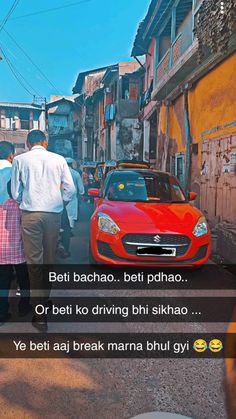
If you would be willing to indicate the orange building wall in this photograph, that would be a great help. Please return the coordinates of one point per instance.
(162, 120)
(213, 102)
(177, 128)
(212, 106)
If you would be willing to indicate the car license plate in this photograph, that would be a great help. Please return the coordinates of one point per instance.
(156, 251)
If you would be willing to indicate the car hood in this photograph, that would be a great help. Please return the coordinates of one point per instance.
(151, 213)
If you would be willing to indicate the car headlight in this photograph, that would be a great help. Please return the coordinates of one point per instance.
(106, 224)
(201, 228)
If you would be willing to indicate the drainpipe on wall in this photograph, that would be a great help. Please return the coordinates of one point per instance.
(167, 140)
(188, 161)
(109, 141)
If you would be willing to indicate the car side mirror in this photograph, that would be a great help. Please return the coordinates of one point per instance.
(94, 192)
(192, 196)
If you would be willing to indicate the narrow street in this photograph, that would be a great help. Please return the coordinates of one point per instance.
(132, 105)
(116, 389)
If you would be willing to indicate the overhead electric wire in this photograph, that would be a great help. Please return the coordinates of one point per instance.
(17, 75)
(8, 15)
(52, 9)
(32, 62)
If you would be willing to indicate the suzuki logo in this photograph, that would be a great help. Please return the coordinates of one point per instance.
(157, 239)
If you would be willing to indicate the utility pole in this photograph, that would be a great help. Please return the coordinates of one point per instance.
(188, 166)
(42, 101)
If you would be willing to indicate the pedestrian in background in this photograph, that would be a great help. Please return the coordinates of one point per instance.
(7, 151)
(72, 207)
(85, 180)
(37, 178)
(70, 213)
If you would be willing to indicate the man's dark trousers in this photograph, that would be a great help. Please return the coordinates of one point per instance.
(6, 275)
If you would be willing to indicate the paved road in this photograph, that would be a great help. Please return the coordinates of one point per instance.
(112, 389)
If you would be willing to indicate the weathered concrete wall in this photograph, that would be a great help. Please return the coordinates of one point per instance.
(128, 139)
(212, 117)
(212, 103)
(212, 110)
(113, 141)
(162, 139)
(18, 138)
(216, 23)
(177, 128)
(127, 109)
(150, 59)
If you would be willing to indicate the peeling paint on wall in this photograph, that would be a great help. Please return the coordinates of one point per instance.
(128, 140)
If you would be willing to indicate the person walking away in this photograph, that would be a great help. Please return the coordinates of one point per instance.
(70, 213)
(7, 151)
(72, 207)
(12, 258)
(37, 179)
(85, 180)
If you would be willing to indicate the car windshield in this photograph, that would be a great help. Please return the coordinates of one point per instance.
(144, 187)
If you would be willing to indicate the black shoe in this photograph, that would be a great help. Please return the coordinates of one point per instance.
(40, 323)
(63, 254)
(24, 308)
(4, 318)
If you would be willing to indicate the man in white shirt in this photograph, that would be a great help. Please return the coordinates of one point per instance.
(42, 183)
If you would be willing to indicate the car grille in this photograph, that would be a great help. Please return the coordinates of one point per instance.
(106, 251)
(132, 241)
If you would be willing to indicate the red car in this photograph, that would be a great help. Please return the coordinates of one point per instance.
(144, 217)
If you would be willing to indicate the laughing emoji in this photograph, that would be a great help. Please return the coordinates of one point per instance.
(215, 345)
(200, 345)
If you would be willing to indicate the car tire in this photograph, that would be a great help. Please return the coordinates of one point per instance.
(92, 261)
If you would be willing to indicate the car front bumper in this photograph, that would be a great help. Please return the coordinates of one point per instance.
(190, 250)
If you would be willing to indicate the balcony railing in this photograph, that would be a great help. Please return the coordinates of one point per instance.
(179, 53)
(168, 79)
(163, 66)
(176, 50)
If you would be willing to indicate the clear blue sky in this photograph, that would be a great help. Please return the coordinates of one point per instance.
(64, 42)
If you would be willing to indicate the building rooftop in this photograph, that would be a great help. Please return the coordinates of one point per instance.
(128, 67)
(21, 105)
(156, 10)
(81, 77)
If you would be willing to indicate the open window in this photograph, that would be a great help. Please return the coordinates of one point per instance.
(125, 87)
(184, 23)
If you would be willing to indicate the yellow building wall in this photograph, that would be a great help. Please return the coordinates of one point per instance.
(162, 120)
(212, 103)
(212, 108)
(177, 128)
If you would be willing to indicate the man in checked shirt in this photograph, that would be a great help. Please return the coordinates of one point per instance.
(12, 259)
